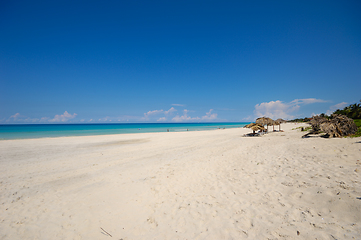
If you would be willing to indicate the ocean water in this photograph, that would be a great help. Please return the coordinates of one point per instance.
(26, 131)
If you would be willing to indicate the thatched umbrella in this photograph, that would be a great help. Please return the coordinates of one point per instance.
(264, 121)
(250, 125)
(278, 122)
(255, 127)
(271, 122)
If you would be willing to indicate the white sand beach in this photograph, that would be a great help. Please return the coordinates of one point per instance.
(181, 185)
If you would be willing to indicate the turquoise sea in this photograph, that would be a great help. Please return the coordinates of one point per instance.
(20, 131)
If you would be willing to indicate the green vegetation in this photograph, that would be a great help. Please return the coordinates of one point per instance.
(303, 129)
(300, 120)
(358, 124)
(307, 128)
(353, 111)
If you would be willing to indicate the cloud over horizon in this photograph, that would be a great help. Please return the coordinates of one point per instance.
(172, 109)
(279, 109)
(154, 112)
(63, 117)
(335, 107)
(209, 115)
(15, 116)
(308, 101)
(170, 116)
(275, 109)
(184, 117)
(18, 118)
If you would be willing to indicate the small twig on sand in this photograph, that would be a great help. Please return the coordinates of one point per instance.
(106, 232)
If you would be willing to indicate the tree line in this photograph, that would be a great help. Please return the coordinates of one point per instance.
(352, 111)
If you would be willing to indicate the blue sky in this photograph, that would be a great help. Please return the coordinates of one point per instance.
(177, 61)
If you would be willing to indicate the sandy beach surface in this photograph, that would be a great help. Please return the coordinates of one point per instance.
(183, 185)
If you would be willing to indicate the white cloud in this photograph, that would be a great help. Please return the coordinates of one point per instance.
(44, 119)
(63, 118)
(154, 112)
(184, 117)
(33, 120)
(275, 109)
(210, 116)
(178, 105)
(104, 119)
(169, 115)
(172, 109)
(162, 119)
(15, 116)
(335, 107)
(339, 105)
(279, 109)
(307, 101)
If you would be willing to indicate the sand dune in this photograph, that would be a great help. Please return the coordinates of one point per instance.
(186, 185)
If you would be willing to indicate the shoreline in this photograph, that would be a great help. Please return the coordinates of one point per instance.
(117, 134)
(34, 131)
(181, 185)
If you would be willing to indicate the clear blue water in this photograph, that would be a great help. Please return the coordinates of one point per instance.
(19, 131)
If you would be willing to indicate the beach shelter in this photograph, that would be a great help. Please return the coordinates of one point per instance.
(255, 127)
(250, 125)
(264, 121)
(278, 122)
(261, 121)
(271, 122)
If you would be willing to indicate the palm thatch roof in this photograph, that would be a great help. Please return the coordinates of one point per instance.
(264, 121)
(279, 121)
(250, 125)
(255, 127)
